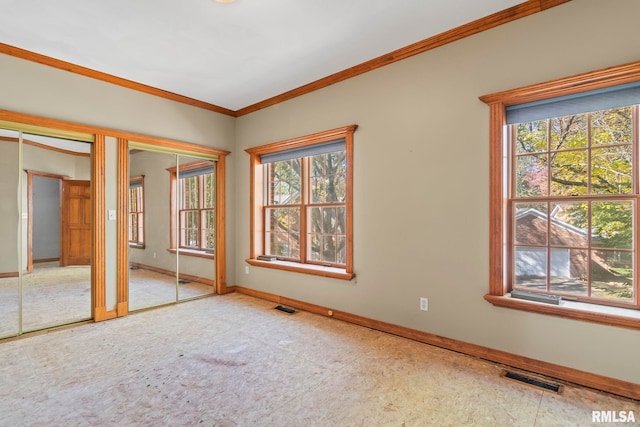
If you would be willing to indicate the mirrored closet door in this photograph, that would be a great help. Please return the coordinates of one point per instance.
(171, 227)
(10, 233)
(45, 235)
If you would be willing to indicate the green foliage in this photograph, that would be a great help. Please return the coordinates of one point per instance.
(578, 155)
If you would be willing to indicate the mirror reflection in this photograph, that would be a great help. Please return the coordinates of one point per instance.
(152, 269)
(45, 242)
(171, 226)
(195, 221)
(9, 233)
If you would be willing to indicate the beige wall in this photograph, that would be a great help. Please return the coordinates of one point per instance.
(421, 184)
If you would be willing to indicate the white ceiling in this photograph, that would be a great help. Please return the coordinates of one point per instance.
(230, 55)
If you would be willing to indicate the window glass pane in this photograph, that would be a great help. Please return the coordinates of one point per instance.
(328, 177)
(612, 224)
(531, 268)
(612, 275)
(531, 176)
(283, 182)
(611, 170)
(569, 271)
(531, 137)
(133, 199)
(189, 228)
(189, 193)
(208, 227)
(569, 173)
(568, 225)
(327, 234)
(531, 223)
(133, 227)
(282, 232)
(209, 191)
(135, 215)
(568, 132)
(613, 126)
(140, 236)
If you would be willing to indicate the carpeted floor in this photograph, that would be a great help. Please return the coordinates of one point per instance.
(233, 360)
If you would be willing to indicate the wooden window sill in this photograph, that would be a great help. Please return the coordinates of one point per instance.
(605, 315)
(317, 270)
(137, 245)
(191, 252)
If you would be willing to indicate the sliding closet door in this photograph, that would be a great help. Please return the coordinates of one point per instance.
(56, 231)
(152, 263)
(36, 292)
(10, 199)
(194, 223)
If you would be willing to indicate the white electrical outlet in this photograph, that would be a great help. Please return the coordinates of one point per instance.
(246, 269)
(424, 304)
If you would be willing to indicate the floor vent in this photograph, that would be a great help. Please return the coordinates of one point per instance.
(183, 281)
(285, 309)
(532, 381)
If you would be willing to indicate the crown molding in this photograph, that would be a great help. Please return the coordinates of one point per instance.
(521, 10)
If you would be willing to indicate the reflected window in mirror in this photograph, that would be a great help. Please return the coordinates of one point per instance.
(136, 211)
(193, 188)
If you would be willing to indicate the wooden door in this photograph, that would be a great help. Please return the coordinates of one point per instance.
(75, 235)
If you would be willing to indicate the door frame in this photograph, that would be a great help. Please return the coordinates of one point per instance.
(30, 175)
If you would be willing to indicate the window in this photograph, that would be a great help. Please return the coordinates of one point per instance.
(302, 204)
(195, 205)
(564, 194)
(572, 204)
(136, 211)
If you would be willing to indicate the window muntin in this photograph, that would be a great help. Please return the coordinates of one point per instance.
(572, 205)
(135, 215)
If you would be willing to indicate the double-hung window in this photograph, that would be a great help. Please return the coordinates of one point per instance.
(565, 191)
(193, 195)
(136, 211)
(302, 204)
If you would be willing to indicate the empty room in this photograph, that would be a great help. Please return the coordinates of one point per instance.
(361, 213)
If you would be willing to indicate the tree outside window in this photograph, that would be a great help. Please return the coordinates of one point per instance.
(320, 198)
